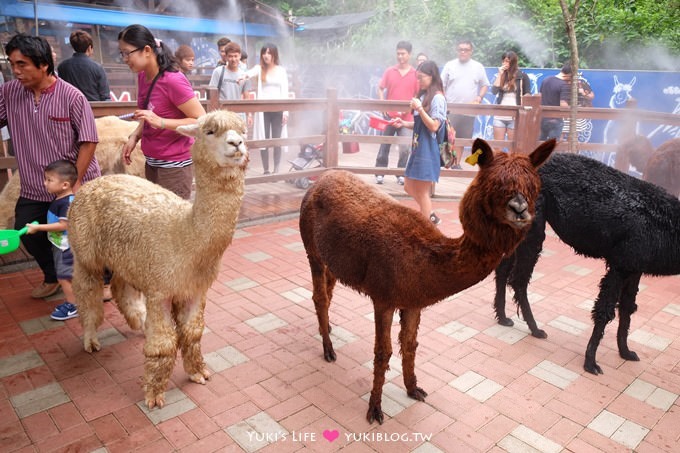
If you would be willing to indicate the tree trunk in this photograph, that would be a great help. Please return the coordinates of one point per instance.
(570, 22)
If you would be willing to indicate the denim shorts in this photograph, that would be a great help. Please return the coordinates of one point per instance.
(510, 124)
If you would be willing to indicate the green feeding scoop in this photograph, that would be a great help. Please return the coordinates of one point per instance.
(9, 239)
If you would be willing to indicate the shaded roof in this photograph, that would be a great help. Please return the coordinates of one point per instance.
(330, 23)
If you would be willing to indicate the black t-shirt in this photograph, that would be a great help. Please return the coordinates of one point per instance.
(553, 90)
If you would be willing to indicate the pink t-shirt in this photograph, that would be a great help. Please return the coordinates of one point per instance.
(399, 88)
(171, 89)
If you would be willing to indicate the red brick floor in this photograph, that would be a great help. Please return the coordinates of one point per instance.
(491, 388)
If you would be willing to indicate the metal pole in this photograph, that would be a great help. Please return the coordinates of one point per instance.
(35, 16)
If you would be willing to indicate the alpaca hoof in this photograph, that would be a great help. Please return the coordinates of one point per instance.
(329, 354)
(507, 322)
(539, 333)
(92, 345)
(155, 401)
(375, 413)
(629, 355)
(417, 394)
(200, 377)
(593, 367)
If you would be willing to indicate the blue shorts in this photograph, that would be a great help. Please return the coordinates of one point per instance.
(63, 263)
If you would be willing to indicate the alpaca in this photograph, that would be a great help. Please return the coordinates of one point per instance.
(363, 238)
(663, 168)
(163, 251)
(601, 213)
(113, 133)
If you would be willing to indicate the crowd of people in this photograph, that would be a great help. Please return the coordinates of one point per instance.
(54, 135)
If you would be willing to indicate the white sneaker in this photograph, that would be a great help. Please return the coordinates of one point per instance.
(379, 179)
(400, 180)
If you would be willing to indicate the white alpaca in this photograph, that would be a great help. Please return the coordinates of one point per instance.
(113, 133)
(163, 251)
(620, 95)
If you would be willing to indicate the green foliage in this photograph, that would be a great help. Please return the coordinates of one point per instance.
(611, 33)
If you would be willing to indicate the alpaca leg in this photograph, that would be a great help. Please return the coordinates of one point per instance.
(410, 320)
(160, 350)
(603, 312)
(382, 352)
(322, 294)
(87, 289)
(130, 302)
(502, 274)
(627, 307)
(190, 324)
(526, 257)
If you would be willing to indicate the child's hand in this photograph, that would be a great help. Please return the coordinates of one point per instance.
(32, 228)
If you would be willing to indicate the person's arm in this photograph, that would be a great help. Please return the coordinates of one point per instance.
(284, 91)
(192, 109)
(431, 123)
(85, 155)
(61, 225)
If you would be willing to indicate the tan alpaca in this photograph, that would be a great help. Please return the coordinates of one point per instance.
(361, 237)
(113, 133)
(163, 251)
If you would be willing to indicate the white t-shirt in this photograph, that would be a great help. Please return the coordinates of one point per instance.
(462, 81)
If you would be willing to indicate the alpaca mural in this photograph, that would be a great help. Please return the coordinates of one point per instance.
(533, 78)
(666, 129)
(620, 95)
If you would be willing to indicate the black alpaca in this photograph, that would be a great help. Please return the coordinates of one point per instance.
(601, 213)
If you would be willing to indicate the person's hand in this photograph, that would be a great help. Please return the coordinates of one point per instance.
(285, 119)
(397, 122)
(416, 104)
(128, 147)
(150, 118)
(249, 121)
(32, 228)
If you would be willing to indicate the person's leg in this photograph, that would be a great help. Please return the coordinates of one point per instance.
(404, 150)
(27, 211)
(499, 129)
(511, 130)
(382, 160)
(277, 126)
(420, 192)
(264, 152)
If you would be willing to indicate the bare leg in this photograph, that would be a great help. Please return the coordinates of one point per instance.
(420, 191)
(382, 352)
(410, 320)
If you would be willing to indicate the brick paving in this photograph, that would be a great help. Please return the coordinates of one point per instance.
(491, 388)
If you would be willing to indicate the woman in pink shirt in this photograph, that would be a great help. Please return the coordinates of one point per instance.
(165, 100)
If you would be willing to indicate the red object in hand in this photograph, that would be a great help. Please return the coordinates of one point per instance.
(378, 123)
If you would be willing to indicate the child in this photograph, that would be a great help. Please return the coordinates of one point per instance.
(60, 176)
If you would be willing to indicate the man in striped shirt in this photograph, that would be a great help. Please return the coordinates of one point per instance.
(48, 120)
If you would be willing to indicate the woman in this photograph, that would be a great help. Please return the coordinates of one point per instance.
(272, 83)
(429, 113)
(509, 85)
(165, 100)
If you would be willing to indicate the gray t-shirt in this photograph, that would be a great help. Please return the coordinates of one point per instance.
(462, 81)
(231, 90)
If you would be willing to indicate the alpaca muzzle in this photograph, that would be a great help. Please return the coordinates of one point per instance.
(518, 211)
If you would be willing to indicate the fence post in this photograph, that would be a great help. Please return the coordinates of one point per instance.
(332, 129)
(528, 124)
(213, 99)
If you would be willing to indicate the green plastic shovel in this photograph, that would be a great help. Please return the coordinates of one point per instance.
(9, 239)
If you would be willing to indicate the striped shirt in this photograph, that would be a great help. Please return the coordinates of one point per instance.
(50, 130)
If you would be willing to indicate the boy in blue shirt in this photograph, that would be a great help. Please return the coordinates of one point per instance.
(60, 177)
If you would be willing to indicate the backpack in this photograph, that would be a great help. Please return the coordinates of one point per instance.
(446, 137)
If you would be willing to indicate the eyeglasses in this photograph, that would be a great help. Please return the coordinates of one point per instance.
(464, 49)
(125, 54)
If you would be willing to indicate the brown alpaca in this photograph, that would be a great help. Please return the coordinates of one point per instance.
(663, 167)
(363, 238)
(164, 251)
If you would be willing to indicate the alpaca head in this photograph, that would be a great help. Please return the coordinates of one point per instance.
(219, 139)
(500, 203)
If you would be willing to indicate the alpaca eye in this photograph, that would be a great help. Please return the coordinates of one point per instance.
(210, 132)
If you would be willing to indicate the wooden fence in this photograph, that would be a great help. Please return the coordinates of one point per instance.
(527, 116)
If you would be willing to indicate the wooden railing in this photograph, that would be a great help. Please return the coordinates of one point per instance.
(528, 118)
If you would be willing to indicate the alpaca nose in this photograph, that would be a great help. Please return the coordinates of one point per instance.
(520, 206)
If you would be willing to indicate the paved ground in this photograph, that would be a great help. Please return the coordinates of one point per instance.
(490, 388)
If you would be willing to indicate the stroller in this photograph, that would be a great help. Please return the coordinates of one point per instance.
(310, 156)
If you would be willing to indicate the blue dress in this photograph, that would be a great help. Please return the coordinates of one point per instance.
(423, 162)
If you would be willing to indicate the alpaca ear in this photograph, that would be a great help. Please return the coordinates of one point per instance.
(190, 130)
(542, 152)
(482, 153)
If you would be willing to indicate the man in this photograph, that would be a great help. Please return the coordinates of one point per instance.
(221, 43)
(48, 120)
(225, 78)
(555, 91)
(83, 73)
(465, 82)
(398, 83)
